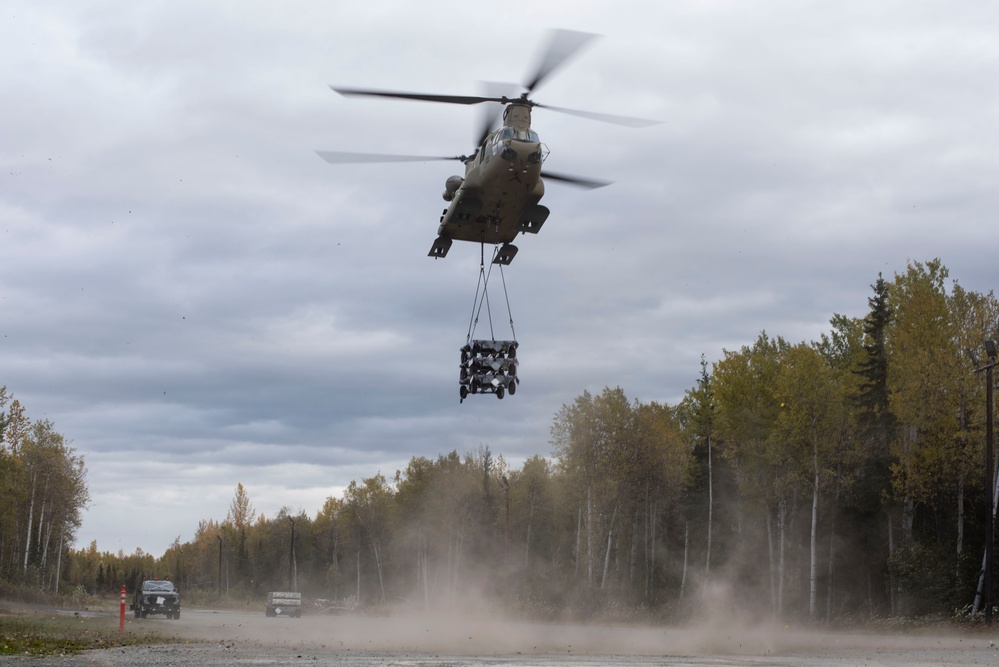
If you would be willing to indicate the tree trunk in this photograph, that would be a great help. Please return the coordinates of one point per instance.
(711, 510)
(959, 547)
(530, 520)
(813, 575)
(781, 530)
(633, 564)
(648, 550)
(891, 578)
(830, 569)
(686, 550)
(579, 537)
(378, 566)
(31, 512)
(45, 544)
(426, 577)
(651, 547)
(610, 534)
(39, 550)
(589, 534)
(58, 570)
(832, 539)
(773, 560)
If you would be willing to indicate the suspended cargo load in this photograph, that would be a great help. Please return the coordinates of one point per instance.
(488, 367)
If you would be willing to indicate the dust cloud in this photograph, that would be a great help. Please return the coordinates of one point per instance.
(730, 640)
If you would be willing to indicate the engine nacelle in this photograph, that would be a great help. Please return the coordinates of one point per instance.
(451, 186)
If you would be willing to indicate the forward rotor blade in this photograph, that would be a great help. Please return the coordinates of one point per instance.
(588, 183)
(339, 157)
(564, 43)
(626, 121)
(447, 99)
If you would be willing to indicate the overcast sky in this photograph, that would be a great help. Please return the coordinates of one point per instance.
(195, 299)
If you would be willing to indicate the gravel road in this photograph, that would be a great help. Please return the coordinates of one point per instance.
(223, 638)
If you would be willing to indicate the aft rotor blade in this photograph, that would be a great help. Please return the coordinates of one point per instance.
(627, 121)
(564, 43)
(447, 99)
(588, 183)
(339, 157)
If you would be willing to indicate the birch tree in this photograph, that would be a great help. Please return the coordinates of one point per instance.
(371, 504)
(747, 410)
(809, 424)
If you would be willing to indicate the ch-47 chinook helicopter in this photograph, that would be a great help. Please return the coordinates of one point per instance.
(498, 196)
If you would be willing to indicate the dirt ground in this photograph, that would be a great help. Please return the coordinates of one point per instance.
(243, 638)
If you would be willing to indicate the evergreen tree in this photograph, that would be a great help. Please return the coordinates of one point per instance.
(877, 424)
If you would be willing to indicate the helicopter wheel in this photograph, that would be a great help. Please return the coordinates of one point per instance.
(463, 392)
(513, 387)
(499, 392)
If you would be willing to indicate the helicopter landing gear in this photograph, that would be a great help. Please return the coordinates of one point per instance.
(532, 218)
(505, 254)
(440, 247)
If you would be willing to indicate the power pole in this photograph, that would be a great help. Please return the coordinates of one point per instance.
(292, 584)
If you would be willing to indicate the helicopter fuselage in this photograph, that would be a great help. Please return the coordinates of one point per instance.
(498, 197)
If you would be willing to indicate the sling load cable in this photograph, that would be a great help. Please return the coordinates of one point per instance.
(509, 312)
(483, 298)
(488, 366)
(477, 304)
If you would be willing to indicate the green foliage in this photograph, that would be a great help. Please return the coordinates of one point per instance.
(43, 490)
(37, 635)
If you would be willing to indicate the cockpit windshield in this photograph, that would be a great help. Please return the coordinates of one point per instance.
(508, 132)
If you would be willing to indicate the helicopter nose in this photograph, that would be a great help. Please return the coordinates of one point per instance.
(522, 150)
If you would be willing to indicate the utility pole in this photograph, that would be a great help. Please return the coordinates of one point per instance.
(506, 535)
(988, 484)
(220, 564)
(292, 584)
(990, 351)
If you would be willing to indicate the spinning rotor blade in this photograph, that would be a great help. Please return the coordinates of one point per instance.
(339, 157)
(627, 121)
(564, 43)
(447, 99)
(490, 118)
(588, 183)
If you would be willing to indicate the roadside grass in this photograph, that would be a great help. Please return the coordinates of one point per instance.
(47, 633)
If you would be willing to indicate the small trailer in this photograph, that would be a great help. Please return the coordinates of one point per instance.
(283, 603)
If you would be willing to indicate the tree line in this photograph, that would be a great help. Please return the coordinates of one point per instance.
(833, 479)
(44, 491)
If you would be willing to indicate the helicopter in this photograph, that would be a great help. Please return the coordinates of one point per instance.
(499, 195)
